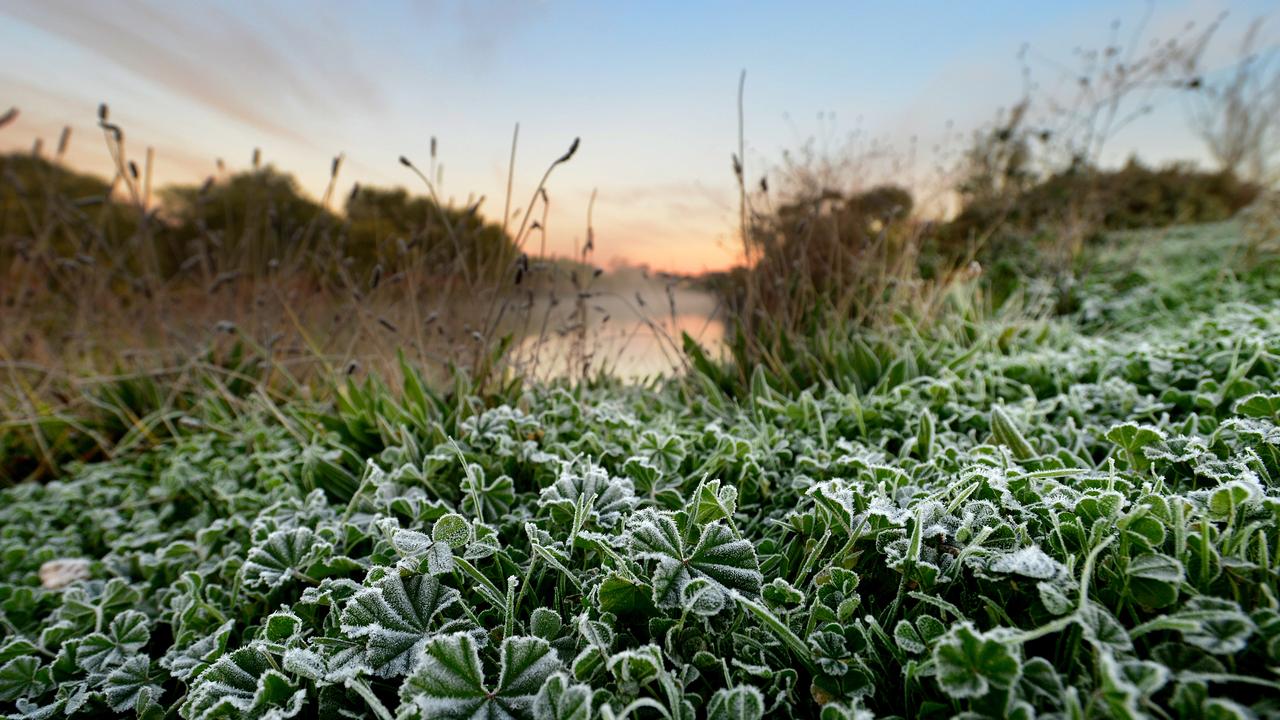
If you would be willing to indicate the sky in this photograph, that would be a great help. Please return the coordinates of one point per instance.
(649, 87)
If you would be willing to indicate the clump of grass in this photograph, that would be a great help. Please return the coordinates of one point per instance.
(110, 278)
(827, 257)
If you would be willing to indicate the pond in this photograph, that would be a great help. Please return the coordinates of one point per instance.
(634, 330)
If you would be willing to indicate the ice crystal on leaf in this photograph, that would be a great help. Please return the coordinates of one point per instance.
(726, 563)
(450, 680)
(395, 618)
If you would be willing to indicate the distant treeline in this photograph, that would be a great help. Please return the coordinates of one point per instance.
(258, 221)
(1133, 197)
(250, 222)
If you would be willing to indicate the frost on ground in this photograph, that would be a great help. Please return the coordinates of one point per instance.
(1033, 519)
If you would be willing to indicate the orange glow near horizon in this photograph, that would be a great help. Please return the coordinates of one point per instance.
(619, 226)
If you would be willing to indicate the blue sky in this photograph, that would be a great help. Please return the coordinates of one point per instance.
(650, 87)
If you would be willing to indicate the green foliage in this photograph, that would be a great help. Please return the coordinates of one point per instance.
(43, 199)
(394, 618)
(251, 217)
(697, 566)
(243, 684)
(970, 664)
(1134, 196)
(998, 521)
(825, 234)
(448, 239)
(248, 222)
(450, 681)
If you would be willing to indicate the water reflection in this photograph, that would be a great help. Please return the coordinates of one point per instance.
(632, 329)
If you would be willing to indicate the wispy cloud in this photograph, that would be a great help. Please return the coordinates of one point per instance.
(256, 67)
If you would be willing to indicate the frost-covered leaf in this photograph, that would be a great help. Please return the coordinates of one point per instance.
(908, 638)
(1006, 433)
(89, 606)
(1260, 405)
(1127, 684)
(126, 635)
(831, 651)
(305, 663)
(192, 654)
(525, 663)
(1132, 437)
(128, 682)
(328, 660)
(22, 677)
(1121, 695)
(726, 562)
(636, 666)
(243, 684)
(1226, 709)
(587, 663)
(1041, 683)
(16, 647)
(147, 703)
(970, 663)
(545, 623)
(625, 596)
(486, 500)
(281, 626)
(712, 502)
(1055, 598)
(421, 553)
(562, 699)
(283, 556)
(1220, 627)
(1224, 500)
(740, 702)
(778, 592)
(607, 497)
(930, 627)
(701, 596)
(484, 542)
(852, 710)
(1102, 629)
(1154, 579)
(1261, 432)
(451, 529)
(1029, 562)
(395, 618)
(837, 589)
(644, 472)
(1147, 676)
(595, 633)
(449, 681)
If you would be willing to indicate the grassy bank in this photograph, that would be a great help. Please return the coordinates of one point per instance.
(1029, 514)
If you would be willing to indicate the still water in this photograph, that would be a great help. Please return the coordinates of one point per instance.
(633, 331)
